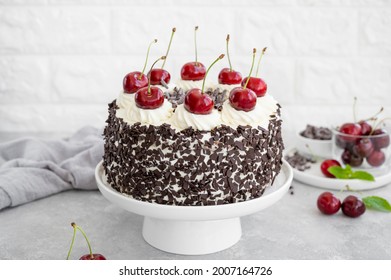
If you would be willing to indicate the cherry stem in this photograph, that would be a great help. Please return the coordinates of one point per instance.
(195, 44)
(169, 45)
(374, 117)
(146, 59)
(259, 61)
(354, 109)
(153, 64)
(378, 124)
(251, 70)
(229, 60)
(76, 227)
(73, 241)
(207, 71)
(85, 236)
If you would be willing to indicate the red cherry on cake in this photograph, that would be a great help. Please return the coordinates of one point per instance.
(157, 75)
(328, 204)
(243, 98)
(326, 164)
(256, 84)
(228, 76)
(194, 71)
(198, 102)
(150, 97)
(89, 256)
(133, 81)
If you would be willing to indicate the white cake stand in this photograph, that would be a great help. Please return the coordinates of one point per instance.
(195, 230)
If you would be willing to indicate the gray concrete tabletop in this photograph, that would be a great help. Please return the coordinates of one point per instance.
(293, 228)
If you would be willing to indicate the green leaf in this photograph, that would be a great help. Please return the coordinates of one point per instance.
(348, 173)
(363, 175)
(348, 169)
(339, 172)
(377, 203)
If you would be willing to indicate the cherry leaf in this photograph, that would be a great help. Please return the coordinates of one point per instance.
(377, 203)
(362, 175)
(348, 169)
(339, 172)
(348, 173)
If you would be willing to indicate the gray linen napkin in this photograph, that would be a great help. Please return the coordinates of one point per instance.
(32, 168)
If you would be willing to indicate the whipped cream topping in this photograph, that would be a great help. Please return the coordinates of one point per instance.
(126, 100)
(259, 116)
(170, 86)
(183, 119)
(226, 87)
(186, 85)
(130, 113)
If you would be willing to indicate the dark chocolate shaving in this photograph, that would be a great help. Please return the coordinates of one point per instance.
(299, 161)
(319, 133)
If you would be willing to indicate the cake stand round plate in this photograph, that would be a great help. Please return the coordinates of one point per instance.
(194, 230)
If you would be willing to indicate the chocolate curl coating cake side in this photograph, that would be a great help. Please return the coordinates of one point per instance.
(191, 167)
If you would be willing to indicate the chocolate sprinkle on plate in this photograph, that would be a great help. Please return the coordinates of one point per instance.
(299, 161)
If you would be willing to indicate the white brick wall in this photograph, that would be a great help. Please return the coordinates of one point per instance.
(62, 61)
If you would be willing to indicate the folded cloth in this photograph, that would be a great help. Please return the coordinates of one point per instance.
(32, 168)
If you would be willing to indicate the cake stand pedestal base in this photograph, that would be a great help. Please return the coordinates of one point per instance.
(192, 237)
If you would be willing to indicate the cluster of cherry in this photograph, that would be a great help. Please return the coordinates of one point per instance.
(243, 97)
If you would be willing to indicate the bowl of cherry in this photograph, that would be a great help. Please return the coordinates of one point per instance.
(362, 146)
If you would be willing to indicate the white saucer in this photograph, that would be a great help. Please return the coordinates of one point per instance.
(314, 177)
(195, 230)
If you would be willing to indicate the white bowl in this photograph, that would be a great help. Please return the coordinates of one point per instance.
(195, 230)
(308, 146)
